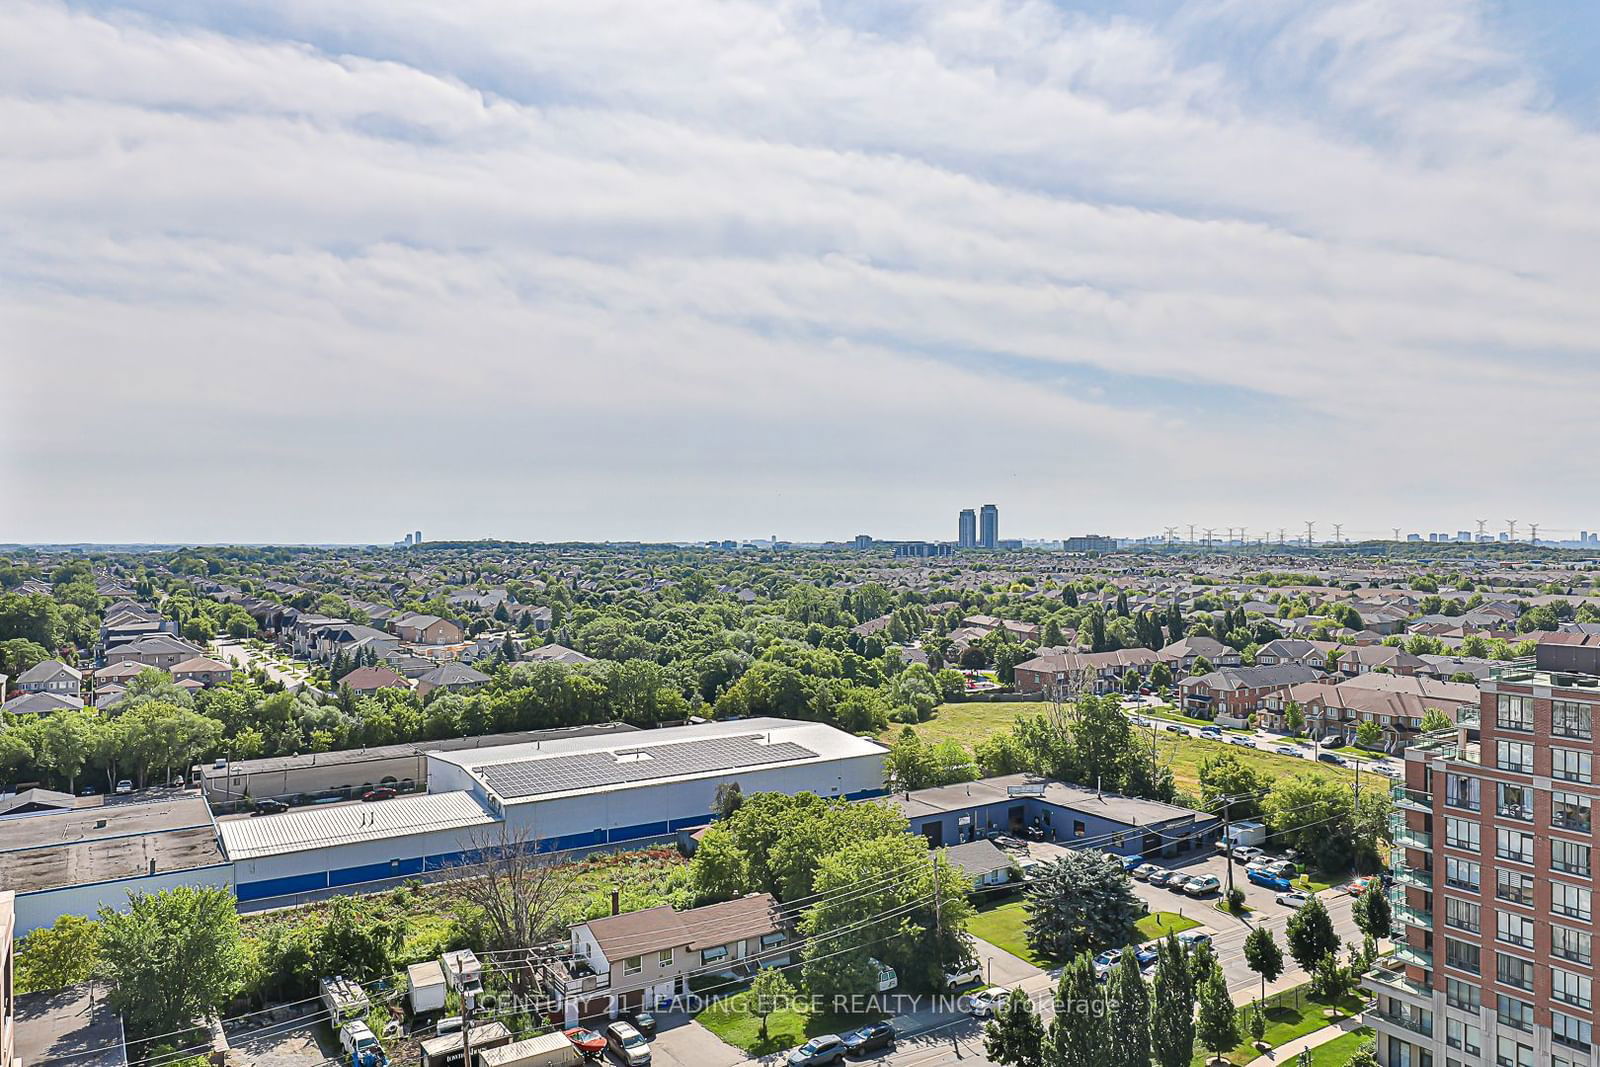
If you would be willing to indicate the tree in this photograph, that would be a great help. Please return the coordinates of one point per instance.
(1218, 1025)
(356, 943)
(770, 991)
(1258, 1022)
(1128, 1007)
(1369, 734)
(1015, 1037)
(1082, 901)
(1294, 719)
(56, 956)
(516, 895)
(1310, 935)
(1172, 1006)
(173, 957)
(66, 741)
(910, 762)
(726, 800)
(1372, 913)
(1077, 1036)
(1330, 980)
(1200, 667)
(1365, 1056)
(1160, 675)
(1223, 774)
(1434, 719)
(1263, 956)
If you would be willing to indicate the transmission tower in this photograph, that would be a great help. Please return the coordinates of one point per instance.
(1511, 528)
(1191, 533)
(1337, 528)
(1481, 524)
(1169, 533)
(1533, 532)
(1310, 532)
(1209, 530)
(1280, 537)
(1396, 530)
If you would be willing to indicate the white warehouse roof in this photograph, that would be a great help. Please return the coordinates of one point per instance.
(342, 824)
(680, 753)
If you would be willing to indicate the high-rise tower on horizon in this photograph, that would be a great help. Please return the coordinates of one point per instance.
(967, 529)
(989, 527)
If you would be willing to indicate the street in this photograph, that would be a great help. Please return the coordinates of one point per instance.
(241, 655)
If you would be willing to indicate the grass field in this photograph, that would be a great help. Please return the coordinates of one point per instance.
(733, 1021)
(1337, 1053)
(1290, 1014)
(970, 723)
(1004, 927)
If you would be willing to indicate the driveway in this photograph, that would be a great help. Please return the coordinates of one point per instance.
(243, 656)
(294, 1041)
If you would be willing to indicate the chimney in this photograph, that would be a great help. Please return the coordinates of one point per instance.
(616, 898)
(152, 865)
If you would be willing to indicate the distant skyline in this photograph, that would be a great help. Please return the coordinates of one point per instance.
(331, 272)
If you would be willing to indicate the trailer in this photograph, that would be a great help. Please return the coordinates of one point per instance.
(462, 971)
(446, 1051)
(1244, 833)
(343, 999)
(547, 1050)
(427, 987)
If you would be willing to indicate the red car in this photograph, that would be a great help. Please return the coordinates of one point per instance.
(383, 792)
(1357, 887)
(591, 1044)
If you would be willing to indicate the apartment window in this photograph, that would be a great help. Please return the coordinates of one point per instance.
(1513, 1012)
(1515, 756)
(1568, 718)
(1570, 1031)
(1570, 988)
(775, 938)
(712, 955)
(1514, 802)
(665, 959)
(1461, 791)
(1462, 914)
(1570, 765)
(1462, 1035)
(1462, 834)
(1570, 900)
(632, 965)
(1462, 995)
(1462, 874)
(1569, 944)
(1463, 956)
(1513, 928)
(1509, 1052)
(1569, 811)
(1514, 713)
(1513, 845)
(1569, 857)
(1514, 886)
(1513, 970)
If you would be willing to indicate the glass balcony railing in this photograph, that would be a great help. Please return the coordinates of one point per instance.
(1411, 799)
(1390, 975)
(1416, 957)
(1419, 877)
(1406, 837)
(1412, 916)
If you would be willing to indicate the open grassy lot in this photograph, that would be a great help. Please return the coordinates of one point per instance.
(970, 722)
(1004, 927)
(1290, 1014)
(733, 1020)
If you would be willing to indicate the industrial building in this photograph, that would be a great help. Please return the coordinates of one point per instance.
(567, 794)
(1017, 803)
(352, 772)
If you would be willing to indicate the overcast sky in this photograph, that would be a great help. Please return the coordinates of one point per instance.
(321, 270)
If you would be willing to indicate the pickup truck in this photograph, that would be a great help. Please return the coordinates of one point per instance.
(361, 1044)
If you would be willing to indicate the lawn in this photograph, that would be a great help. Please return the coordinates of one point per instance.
(1004, 927)
(1290, 1014)
(1318, 882)
(1337, 1053)
(970, 721)
(732, 1020)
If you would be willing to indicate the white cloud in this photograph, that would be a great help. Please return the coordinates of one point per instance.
(712, 268)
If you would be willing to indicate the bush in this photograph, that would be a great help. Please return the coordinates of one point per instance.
(1236, 900)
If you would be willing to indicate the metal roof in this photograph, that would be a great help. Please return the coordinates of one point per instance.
(639, 763)
(341, 824)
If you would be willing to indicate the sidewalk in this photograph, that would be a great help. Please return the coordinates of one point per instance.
(1286, 1053)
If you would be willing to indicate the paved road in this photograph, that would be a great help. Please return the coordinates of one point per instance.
(242, 655)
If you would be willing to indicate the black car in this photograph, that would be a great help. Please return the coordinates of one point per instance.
(643, 1022)
(870, 1038)
(269, 807)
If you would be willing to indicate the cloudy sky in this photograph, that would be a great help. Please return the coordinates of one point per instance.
(325, 270)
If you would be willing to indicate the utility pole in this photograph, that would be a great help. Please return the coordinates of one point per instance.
(938, 938)
(468, 1001)
(1227, 835)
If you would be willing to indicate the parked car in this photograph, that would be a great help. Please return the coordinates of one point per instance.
(1174, 728)
(1144, 871)
(1287, 750)
(869, 1038)
(1132, 863)
(1333, 741)
(1105, 961)
(1211, 733)
(1331, 757)
(1235, 739)
(1263, 877)
(124, 787)
(1202, 884)
(965, 974)
(1179, 883)
(382, 792)
(819, 1051)
(1293, 899)
(982, 1004)
(1192, 939)
(1160, 876)
(88, 791)
(1358, 886)
(1283, 868)
(643, 1022)
(269, 806)
(589, 1042)
(632, 1050)
(1245, 853)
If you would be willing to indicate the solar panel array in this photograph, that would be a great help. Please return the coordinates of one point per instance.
(590, 770)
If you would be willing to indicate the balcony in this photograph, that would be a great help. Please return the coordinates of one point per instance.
(1405, 913)
(1404, 836)
(574, 977)
(1412, 799)
(1417, 877)
(1413, 956)
(1390, 976)
(1407, 1019)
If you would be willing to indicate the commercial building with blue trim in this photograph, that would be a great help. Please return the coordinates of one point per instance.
(567, 795)
(1020, 804)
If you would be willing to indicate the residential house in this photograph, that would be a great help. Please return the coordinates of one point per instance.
(981, 861)
(555, 654)
(1235, 693)
(451, 677)
(1072, 672)
(1447, 667)
(1022, 631)
(540, 618)
(40, 704)
(51, 676)
(119, 674)
(1337, 708)
(365, 680)
(1364, 659)
(1295, 650)
(642, 958)
(428, 630)
(203, 670)
(1181, 655)
(154, 650)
